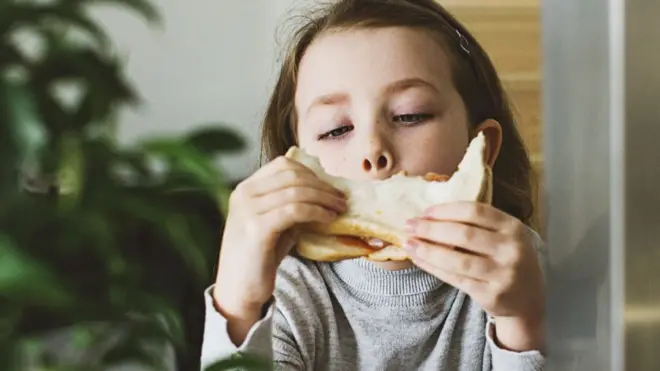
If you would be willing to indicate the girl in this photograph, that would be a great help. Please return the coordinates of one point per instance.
(373, 87)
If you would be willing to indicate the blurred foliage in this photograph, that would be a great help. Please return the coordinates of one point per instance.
(98, 241)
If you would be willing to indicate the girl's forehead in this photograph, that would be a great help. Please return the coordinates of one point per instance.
(370, 59)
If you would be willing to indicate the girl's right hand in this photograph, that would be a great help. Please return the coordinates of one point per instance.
(258, 235)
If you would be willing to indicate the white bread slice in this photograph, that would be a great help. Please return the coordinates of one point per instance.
(379, 208)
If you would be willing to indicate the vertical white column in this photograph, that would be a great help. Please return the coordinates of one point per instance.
(601, 100)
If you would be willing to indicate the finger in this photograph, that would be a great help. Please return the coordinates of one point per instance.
(285, 217)
(277, 165)
(299, 194)
(295, 176)
(452, 260)
(476, 239)
(479, 214)
(466, 284)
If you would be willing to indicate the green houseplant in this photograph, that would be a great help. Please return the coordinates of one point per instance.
(109, 244)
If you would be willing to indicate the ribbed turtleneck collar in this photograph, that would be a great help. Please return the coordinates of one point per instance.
(373, 284)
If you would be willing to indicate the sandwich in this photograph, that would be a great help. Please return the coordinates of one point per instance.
(373, 226)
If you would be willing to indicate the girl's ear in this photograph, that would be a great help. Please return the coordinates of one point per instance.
(493, 132)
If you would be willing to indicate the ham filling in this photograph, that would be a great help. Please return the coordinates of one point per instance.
(369, 243)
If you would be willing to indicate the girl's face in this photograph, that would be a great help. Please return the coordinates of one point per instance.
(373, 102)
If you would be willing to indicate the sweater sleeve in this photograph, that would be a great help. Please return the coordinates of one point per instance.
(505, 360)
(271, 329)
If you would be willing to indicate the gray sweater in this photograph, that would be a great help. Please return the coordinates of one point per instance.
(352, 315)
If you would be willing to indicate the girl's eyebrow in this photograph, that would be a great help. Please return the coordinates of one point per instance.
(392, 88)
(405, 84)
(328, 100)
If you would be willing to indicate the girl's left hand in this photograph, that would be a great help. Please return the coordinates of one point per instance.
(484, 252)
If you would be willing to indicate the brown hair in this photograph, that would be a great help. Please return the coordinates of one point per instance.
(474, 76)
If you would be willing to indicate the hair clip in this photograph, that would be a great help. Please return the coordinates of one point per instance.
(463, 42)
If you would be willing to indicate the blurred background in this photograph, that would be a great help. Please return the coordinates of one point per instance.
(220, 56)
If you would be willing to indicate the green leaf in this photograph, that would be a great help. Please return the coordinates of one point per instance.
(91, 109)
(179, 233)
(70, 173)
(216, 139)
(10, 354)
(133, 166)
(83, 336)
(182, 157)
(30, 14)
(172, 226)
(11, 55)
(21, 132)
(104, 83)
(143, 339)
(191, 167)
(25, 280)
(223, 196)
(133, 350)
(10, 316)
(242, 362)
(173, 325)
(143, 7)
(51, 111)
(98, 227)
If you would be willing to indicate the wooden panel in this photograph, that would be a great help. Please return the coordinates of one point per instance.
(509, 31)
(525, 96)
(510, 36)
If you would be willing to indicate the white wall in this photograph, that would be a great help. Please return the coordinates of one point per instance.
(213, 60)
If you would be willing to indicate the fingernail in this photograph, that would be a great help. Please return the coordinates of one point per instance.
(410, 225)
(410, 246)
(331, 215)
(342, 204)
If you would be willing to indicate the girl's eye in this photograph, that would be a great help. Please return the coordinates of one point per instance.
(336, 133)
(406, 120)
(412, 118)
